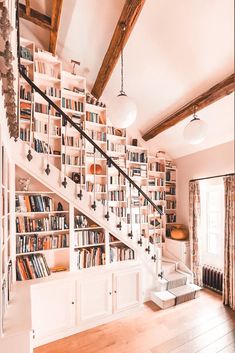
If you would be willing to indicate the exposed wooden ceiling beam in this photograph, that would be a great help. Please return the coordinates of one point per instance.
(55, 22)
(34, 16)
(129, 15)
(27, 3)
(215, 93)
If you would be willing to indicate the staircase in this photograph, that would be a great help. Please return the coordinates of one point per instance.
(174, 287)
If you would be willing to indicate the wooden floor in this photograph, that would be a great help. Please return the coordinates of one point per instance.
(202, 325)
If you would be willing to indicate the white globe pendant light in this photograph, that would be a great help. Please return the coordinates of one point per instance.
(195, 131)
(123, 110)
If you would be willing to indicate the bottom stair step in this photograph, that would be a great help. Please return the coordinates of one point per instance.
(184, 293)
(166, 299)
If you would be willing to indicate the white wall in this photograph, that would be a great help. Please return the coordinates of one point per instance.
(213, 161)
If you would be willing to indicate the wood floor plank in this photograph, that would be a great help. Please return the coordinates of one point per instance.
(228, 349)
(202, 341)
(189, 333)
(220, 344)
(151, 329)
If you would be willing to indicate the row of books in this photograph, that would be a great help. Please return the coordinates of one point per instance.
(120, 161)
(89, 257)
(73, 160)
(46, 69)
(116, 180)
(42, 147)
(24, 134)
(157, 167)
(31, 267)
(119, 211)
(96, 135)
(137, 157)
(71, 141)
(115, 147)
(25, 110)
(42, 128)
(170, 190)
(170, 175)
(171, 217)
(171, 204)
(157, 195)
(41, 108)
(88, 237)
(25, 94)
(121, 253)
(98, 187)
(137, 218)
(93, 117)
(35, 242)
(139, 172)
(34, 203)
(53, 92)
(26, 224)
(152, 181)
(116, 132)
(68, 103)
(26, 53)
(117, 195)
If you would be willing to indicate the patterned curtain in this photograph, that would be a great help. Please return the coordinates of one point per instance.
(229, 242)
(194, 222)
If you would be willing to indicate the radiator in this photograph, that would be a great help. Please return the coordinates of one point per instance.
(212, 278)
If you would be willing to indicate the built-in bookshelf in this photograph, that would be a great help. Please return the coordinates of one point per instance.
(170, 195)
(119, 251)
(42, 229)
(6, 263)
(65, 148)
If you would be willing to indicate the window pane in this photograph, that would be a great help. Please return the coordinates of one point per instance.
(213, 243)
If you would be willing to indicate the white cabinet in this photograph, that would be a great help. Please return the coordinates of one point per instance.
(53, 308)
(126, 289)
(180, 249)
(94, 296)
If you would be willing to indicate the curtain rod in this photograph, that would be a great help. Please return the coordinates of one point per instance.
(214, 176)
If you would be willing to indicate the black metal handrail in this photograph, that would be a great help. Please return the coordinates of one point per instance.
(110, 161)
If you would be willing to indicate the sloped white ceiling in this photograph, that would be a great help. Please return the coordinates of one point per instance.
(177, 50)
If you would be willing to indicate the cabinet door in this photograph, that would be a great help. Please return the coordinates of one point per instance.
(53, 308)
(127, 289)
(95, 297)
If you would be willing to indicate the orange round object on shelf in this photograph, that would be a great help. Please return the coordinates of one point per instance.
(96, 169)
(179, 232)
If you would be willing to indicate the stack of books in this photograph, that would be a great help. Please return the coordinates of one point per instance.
(31, 267)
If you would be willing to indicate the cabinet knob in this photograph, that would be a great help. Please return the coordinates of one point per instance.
(115, 291)
(110, 293)
(72, 302)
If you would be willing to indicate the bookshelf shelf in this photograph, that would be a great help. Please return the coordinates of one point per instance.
(42, 251)
(38, 213)
(44, 232)
(89, 246)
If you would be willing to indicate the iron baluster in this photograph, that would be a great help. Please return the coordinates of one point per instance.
(130, 234)
(94, 181)
(29, 155)
(47, 170)
(119, 202)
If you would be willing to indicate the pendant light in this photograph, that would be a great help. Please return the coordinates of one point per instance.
(195, 131)
(123, 110)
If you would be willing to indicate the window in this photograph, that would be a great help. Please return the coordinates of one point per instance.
(212, 222)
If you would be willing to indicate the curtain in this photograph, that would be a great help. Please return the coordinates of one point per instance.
(229, 243)
(194, 222)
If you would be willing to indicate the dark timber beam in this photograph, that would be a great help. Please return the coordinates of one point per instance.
(55, 22)
(34, 16)
(213, 94)
(129, 15)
